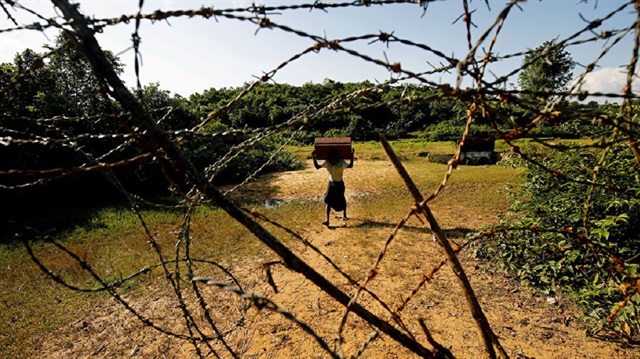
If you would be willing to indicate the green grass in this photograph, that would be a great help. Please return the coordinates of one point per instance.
(372, 150)
(411, 149)
(530, 146)
(116, 245)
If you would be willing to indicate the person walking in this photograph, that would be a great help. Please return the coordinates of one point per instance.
(334, 197)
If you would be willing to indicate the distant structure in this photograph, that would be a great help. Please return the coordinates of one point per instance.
(478, 151)
(475, 151)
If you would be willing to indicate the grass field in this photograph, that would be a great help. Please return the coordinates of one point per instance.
(115, 244)
(43, 319)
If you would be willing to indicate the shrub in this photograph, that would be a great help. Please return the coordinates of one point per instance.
(207, 150)
(562, 235)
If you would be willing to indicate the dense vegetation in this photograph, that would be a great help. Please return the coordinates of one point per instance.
(565, 238)
(64, 93)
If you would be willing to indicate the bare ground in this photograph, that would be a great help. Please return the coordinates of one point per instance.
(527, 325)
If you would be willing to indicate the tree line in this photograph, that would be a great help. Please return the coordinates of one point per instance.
(64, 90)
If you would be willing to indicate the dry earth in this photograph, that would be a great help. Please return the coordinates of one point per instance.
(527, 325)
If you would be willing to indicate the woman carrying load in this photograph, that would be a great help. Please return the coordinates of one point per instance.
(334, 197)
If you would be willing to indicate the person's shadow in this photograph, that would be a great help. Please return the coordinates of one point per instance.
(337, 218)
(457, 232)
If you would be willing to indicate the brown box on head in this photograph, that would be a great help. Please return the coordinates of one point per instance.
(326, 145)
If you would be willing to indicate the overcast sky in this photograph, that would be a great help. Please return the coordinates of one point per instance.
(188, 55)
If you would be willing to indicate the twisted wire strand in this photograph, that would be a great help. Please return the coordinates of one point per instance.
(483, 100)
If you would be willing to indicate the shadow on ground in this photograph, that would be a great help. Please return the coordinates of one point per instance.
(458, 232)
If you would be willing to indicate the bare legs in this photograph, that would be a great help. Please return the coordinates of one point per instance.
(344, 215)
(326, 223)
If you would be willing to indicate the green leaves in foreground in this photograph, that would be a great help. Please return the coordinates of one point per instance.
(573, 227)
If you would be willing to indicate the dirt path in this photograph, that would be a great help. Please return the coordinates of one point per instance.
(528, 326)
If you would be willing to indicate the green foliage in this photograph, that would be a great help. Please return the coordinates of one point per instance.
(362, 119)
(251, 160)
(449, 131)
(561, 235)
(66, 86)
(19, 99)
(546, 69)
(63, 85)
(203, 151)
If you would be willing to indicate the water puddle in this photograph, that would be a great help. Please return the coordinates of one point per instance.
(273, 203)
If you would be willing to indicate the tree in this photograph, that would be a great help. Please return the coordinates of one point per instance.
(547, 69)
(171, 112)
(76, 82)
(35, 94)
(39, 87)
(62, 84)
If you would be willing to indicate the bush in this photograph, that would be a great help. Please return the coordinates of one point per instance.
(247, 163)
(562, 235)
(206, 150)
(448, 131)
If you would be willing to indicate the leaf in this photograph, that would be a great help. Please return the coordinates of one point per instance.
(623, 287)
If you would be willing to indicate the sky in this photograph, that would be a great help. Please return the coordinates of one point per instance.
(190, 55)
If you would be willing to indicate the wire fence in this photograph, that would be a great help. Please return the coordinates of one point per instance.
(189, 276)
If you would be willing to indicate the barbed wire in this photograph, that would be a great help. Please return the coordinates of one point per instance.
(155, 145)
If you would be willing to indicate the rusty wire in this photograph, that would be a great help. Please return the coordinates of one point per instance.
(160, 147)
